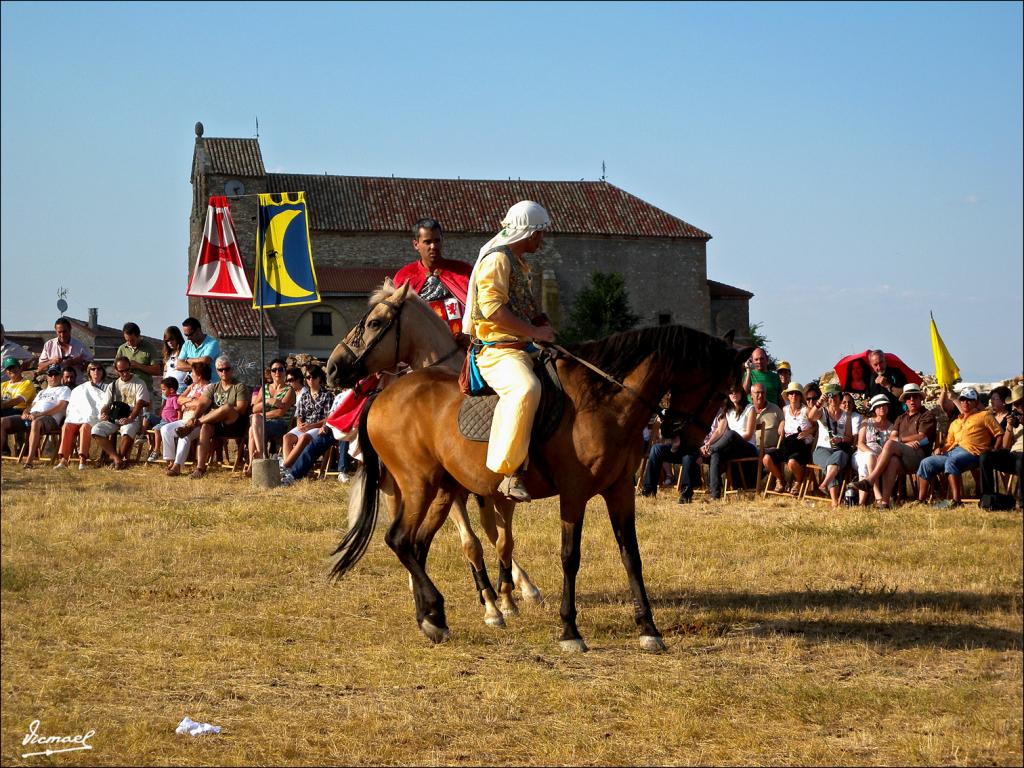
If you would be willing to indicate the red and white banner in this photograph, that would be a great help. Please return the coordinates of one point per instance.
(219, 272)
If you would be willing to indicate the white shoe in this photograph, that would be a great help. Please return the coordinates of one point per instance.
(61, 465)
(81, 465)
(287, 479)
(344, 477)
(154, 457)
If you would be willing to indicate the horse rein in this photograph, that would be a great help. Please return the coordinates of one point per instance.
(666, 414)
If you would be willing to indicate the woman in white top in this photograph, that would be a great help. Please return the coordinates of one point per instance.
(173, 341)
(836, 439)
(83, 413)
(797, 442)
(874, 431)
(737, 442)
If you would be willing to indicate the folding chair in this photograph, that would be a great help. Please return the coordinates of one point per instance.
(736, 465)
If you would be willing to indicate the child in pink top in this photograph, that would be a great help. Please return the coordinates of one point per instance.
(170, 411)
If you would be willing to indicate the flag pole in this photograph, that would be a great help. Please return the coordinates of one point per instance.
(263, 380)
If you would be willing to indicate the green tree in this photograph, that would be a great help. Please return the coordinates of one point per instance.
(601, 309)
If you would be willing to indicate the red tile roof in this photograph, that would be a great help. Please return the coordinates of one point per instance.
(234, 157)
(719, 290)
(363, 280)
(378, 204)
(236, 319)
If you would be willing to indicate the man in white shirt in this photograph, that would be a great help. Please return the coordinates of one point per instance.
(45, 415)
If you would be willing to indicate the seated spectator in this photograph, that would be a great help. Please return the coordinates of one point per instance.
(45, 414)
(312, 409)
(910, 441)
(768, 414)
(873, 433)
(341, 425)
(83, 413)
(797, 442)
(785, 373)
(1008, 454)
(226, 417)
(281, 398)
(128, 389)
(173, 342)
(812, 394)
(757, 373)
(997, 405)
(836, 440)
(736, 442)
(969, 436)
(689, 461)
(176, 437)
(170, 412)
(63, 350)
(16, 393)
(11, 349)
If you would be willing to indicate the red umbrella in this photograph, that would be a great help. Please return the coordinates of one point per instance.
(855, 373)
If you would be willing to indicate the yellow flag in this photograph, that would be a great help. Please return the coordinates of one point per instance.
(945, 366)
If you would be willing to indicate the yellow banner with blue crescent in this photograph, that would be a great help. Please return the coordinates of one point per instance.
(284, 258)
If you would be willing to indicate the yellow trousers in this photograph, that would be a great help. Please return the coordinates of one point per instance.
(509, 372)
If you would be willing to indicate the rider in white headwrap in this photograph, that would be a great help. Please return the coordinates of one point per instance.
(502, 317)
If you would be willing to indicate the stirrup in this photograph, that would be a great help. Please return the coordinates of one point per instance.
(511, 487)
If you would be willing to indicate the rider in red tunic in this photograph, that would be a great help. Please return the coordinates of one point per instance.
(440, 282)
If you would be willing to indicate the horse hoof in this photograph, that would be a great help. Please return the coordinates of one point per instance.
(532, 595)
(508, 605)
(652, 644)
(495, 621)
(436, 634)
(573, 646)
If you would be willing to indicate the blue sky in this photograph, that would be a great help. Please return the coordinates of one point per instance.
(857, 164)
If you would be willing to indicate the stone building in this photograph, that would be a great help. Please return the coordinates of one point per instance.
(360, 231)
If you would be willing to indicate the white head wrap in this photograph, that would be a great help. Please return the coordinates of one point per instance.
(522, 220)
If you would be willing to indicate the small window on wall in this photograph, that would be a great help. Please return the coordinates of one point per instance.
(665, 318)
(321, 324)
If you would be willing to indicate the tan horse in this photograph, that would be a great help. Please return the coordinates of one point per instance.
(401, 328)
(411, 426)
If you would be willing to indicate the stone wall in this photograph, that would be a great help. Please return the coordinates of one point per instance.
(731, 314)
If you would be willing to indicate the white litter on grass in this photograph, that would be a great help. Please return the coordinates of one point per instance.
(190, 727)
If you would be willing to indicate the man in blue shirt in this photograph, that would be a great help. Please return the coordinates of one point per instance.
(197, 346)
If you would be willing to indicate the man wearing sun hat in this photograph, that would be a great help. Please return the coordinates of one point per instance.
(1008, 454)
(911, 440)
(970, 435)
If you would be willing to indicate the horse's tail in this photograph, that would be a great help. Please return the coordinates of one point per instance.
(352, 547)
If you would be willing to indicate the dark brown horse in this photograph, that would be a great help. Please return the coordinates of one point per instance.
(411, 426)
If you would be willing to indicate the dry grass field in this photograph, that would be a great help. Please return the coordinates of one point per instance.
(796, 635)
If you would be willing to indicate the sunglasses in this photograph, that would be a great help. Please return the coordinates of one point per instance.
(277, 370)
(311, 378)
(225, 368)
(292, 379)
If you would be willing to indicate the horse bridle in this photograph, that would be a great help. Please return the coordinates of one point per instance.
(394, 319)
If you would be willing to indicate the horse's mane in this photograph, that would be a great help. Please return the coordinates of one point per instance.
(672, 347)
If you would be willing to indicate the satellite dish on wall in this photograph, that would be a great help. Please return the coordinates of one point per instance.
(62, 306)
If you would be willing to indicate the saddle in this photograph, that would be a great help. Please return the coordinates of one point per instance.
(477, 412)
